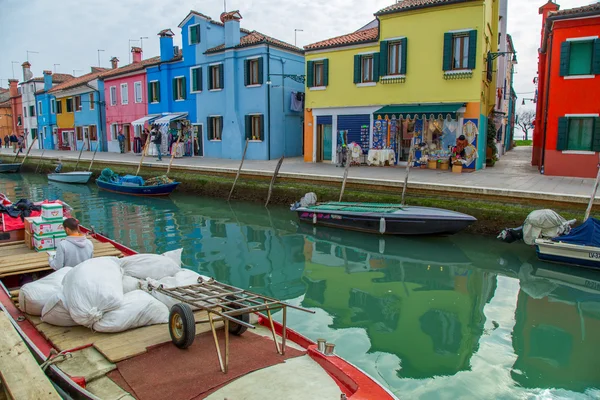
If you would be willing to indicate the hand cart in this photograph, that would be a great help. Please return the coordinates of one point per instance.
(221, 302)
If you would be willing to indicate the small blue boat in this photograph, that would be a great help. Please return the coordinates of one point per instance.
(138, 190)
(9, 167)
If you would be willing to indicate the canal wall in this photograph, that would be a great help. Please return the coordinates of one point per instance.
(493, 212)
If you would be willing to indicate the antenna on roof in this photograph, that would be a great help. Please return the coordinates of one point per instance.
(224, 5)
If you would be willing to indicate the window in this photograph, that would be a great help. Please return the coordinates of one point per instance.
(137, 91)
(215, 128)
(579, 134)
(580, 58)
(25, 112)
(394, 58)
(114, 131)
(19, 120)
(196, 74)
(44, 132)
(59, 107)
(70, 105)
(254, 127)
(77, 103)
(179, 88)
(53, 106)
(253, 72)
(113, 95)
(93, 133)
(194, 31)
(124, 94)
(65, 138)
(39, 110)
(91, 100)
(460, 50)
(33, 133)
(215, 77)
(32, 111)
(319, 73)
(367, 68)
(79, 131)
(154, 91)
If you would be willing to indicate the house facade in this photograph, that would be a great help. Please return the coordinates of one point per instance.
(16, 106)
(29, 86)
(126, 94)
(46, 110)
(566, 138)
(217, 91)
(379, 88)
(6, 120)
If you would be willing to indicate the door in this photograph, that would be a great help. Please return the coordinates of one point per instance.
(127, 133)
(72, 142)
(327, 142)
(197, 145)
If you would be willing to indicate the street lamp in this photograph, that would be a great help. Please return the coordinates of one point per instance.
(295, 32)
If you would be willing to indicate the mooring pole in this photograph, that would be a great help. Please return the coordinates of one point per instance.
(239, 170)
(345, 178)
(273, 180)
(40, 162)
(410, 160)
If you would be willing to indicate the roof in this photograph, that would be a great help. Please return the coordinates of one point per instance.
(111, 73)
(408, 5)
(576, 12)
(255, 38)
(193, 13)
(364, 36)
(80, 80)
(5, 103)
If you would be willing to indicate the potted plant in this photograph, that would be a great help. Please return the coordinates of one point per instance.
(457, 165)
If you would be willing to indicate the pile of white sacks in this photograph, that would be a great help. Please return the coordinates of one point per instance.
(108, 294)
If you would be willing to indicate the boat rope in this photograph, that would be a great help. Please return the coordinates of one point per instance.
(382, 225)
(54, 358)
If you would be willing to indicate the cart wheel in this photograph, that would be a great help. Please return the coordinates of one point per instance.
(237, 329)
(182, 325)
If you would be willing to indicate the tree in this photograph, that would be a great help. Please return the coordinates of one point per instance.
(525, 119)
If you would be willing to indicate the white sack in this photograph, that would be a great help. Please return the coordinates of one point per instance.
(174, 255)
(55, 312)
(137, 309)
(33, 296)
(153, 266)
(130, 284)
(93, 288)
(184, 277)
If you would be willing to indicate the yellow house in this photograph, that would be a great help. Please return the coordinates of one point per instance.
(65, 121)
(421, 69)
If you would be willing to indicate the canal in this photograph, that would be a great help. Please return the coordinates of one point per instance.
(457, 317)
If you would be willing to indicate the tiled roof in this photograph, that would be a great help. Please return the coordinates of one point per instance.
(5, 104)
(111, 73)
(254, 38)
(209, 19)
(407, 5)
(60, 78)
(590, 8)
(71, 83)
(364, 36)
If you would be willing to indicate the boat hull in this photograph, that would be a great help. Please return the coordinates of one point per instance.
(71, 177)
(158, 190)
(566, 253)
(10, 167)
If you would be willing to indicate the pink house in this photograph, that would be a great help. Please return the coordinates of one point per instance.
(125, 94)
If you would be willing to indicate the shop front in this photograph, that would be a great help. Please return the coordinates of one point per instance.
(174, 127)
(139, 137)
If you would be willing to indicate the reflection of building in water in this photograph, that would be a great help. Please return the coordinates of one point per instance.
(427, 313)
(556, 336)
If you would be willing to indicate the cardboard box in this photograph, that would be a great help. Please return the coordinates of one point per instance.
(47, 242)
(40, 227)
(29, 240)
(52, 212)
(28, 225)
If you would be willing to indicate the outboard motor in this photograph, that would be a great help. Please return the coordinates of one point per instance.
(538, 224)
(309, 199)
(510, 235)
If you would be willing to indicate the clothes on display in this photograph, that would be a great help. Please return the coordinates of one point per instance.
(381, 157)
(297, 103)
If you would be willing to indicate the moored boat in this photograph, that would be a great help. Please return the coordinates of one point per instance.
(71, 177)
(138, 190)
(13, 167)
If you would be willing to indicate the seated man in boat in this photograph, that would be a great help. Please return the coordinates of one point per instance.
(75, 249)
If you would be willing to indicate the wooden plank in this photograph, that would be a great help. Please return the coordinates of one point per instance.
(22, 377)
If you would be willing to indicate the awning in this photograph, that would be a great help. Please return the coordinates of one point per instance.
(411, 111)
(145, 119)
(166, 119)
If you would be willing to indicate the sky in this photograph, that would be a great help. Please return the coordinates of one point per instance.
(70, 32)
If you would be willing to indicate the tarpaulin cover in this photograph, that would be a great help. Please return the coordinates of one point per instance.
(587, 234)
(132, 179)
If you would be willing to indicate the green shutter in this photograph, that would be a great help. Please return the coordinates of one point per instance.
(246, 72)
(472, 49)
(184, 90)
(193, 35)
(383, 58)
(248, 126)
(194, 81)
(563, 133)
(260, 71)
(209, 128)
(262, 127)
(149, 92)
(375, 67)
(199, 79)
(210, 78)
(565, 56)
(222, 75)
(158, 91)
(310, 73)
(174, 84)
(596, 58)
(357, 69)
(325, 72)
(447, 65)
(404, 44)
(596, 136)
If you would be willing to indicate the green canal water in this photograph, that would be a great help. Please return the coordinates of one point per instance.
(463, 317)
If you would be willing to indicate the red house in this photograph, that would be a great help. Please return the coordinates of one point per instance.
(566, 138)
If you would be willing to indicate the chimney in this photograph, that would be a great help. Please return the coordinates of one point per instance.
(136, 54)
(27, 75)
(166, 44)
(114, 62)
(232, 28)
(47, 80)
(545, 10)
(13, 88)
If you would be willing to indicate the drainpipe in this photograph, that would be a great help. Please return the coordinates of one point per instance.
(547, 101)
(269, 101)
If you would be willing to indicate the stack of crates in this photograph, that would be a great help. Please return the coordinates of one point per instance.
(45, 232)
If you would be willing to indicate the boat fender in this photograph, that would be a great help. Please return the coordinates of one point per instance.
(382, 225)
(314, 218)
(381, 246)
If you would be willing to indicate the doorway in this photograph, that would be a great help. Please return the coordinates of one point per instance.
(324, 142)
(127, 134)
(197, 141)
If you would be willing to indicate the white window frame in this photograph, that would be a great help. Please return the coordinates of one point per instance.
(39, 110)
(190, 35)
(114, 131)
(177, 80)
(210, 72)
(192, 80)
(201, 138)
(52, 106)
(149, 99)
(124, 99)
(215, 140)
(113, 95)
(137, 89)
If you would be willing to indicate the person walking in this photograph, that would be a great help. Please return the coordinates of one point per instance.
(21, 143)
(121, 139)
(6, 141)
(157, 135)
(14, 140)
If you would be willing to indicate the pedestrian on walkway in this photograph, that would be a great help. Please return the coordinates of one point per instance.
(6, 141)
(21, 143)
(14, 140)
(121, 139)
(157, 140)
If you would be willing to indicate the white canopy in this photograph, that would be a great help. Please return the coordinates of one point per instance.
(145, 119)
(166, 119)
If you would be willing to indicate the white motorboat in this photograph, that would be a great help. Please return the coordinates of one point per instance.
(71, 177)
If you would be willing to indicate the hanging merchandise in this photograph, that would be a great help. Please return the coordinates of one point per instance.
(297, 103)
(364, 138)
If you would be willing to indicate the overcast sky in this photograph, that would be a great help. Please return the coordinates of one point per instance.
(69, 32)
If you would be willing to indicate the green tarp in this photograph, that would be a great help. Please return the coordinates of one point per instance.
(410, 110)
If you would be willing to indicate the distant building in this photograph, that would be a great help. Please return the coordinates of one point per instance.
(16, 106)
(46, 110)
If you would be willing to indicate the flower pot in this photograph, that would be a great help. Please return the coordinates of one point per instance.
(444, 165)
(457, 169)
(432, 164)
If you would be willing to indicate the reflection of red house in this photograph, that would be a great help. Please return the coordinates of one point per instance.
(566, 139)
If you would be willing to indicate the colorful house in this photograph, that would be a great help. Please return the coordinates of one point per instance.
(422, 69)
(230, 84)
(46, 110)
(16, 106)
(126, 94)
(6, 120)
(80, 112)
(566, 138)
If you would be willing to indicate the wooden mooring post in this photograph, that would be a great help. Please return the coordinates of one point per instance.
(273, 180)
(40, 162)
(410, 160)
(28, 150)
(239, 171)
(79, 158)
(93, 157)
(173, 151)
(345, 178)
(144, 151)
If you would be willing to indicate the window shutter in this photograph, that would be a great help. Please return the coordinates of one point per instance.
(221, 76)
(193, 35)
(383, 58)
(310, 73)
(262, 127)
(404, 44)
(220, 127)
(447, 65)
(472, 49)
(596, 136)
(184, 91)
(563, 131)
(199, 78)
(246, 72)
(158, 91)
(357, 68)
(174, 82)
(209, 128)
(260, 71)
(210, 78)
(596, 58)
(376, 67)
(565, 55)
(325, 72)
(248, 127)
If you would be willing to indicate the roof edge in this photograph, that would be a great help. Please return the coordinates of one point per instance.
(419, 7)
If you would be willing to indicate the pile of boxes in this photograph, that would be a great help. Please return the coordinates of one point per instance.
(45, 232)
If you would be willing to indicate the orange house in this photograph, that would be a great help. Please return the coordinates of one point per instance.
(566, 139)
(16, 106)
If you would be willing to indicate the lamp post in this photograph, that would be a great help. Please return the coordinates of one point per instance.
(99, 50)
(295, 32)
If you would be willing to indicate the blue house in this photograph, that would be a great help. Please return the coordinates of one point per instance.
(229, 84)
(46, 110)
